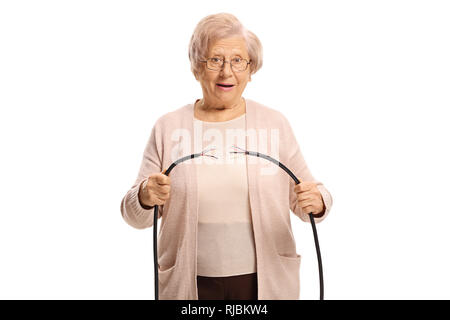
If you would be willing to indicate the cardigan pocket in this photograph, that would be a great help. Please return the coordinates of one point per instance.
(289, 284)
(164, 277)
(166, 269)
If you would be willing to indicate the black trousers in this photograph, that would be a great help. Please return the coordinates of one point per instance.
(241, 287)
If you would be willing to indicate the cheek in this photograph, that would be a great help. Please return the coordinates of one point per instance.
(243, 82)
(209, 76)
(208, 80)
(212, 81)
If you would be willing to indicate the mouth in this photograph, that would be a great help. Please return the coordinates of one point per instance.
(225, 86)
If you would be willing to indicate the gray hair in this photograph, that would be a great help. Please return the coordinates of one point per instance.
(220, 26)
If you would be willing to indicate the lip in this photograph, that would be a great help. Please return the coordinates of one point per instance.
(223, 88)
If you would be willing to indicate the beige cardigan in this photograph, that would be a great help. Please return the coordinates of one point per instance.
(271, 197)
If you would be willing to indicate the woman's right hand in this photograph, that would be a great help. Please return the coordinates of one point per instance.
(155, 190)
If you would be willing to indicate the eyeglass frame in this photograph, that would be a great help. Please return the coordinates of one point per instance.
(225, 61)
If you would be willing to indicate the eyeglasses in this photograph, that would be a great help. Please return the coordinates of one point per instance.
(237, 64)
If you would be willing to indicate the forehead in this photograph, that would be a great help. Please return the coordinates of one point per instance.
(229, 45)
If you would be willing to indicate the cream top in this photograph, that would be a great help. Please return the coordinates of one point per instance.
(225, 244)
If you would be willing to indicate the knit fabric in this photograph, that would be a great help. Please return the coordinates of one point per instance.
(271, 197)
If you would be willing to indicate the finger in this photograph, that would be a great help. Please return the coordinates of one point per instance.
(309, 209)
(159, 201)
(161, 197)
(305, 195)
(301, 187)
(165, 196)
(160, 188)
(162, 179)
(163, 189)
(159, 193)
(306, 203)
(306, 186)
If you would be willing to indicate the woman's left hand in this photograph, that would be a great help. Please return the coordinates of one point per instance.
(309, 198)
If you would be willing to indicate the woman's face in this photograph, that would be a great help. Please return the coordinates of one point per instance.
(213, 94)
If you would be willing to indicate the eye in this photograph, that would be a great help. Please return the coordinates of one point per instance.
(215, 59)
(237, 60)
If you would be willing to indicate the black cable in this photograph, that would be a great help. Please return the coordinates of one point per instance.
(252, 153)
(311, 217)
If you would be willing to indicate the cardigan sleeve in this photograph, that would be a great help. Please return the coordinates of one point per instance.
(132, 211)
(297, 164)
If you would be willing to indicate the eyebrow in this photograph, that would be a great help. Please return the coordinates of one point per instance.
(220, 54)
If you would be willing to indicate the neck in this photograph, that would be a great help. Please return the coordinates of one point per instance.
(218, 112)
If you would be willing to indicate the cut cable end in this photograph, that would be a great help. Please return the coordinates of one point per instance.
(236, 147)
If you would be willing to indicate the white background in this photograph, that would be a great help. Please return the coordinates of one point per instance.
(365, 85)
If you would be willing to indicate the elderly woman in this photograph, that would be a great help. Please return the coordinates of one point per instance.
(225, 230)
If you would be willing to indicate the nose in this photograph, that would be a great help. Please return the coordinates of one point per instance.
(226, 69)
